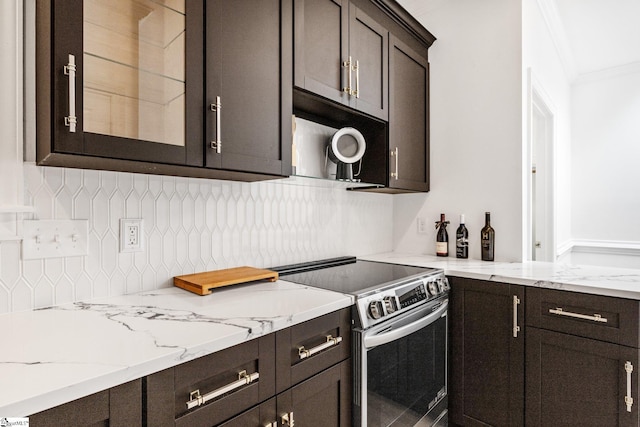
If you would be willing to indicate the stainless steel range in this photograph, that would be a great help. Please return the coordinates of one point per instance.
(400, 337)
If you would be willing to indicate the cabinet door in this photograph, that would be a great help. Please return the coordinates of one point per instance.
(369, 49)
(321, 401)
(487, 353)
(408, 118)
(248, 60)
(574, 381)
(119, 406)
(135, 91)
(321, 29)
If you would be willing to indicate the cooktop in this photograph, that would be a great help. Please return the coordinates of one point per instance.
(349, 275)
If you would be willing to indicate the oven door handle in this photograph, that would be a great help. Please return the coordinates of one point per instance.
(403, 331)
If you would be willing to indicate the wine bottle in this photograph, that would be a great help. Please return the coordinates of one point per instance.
(442, 237)
(487, 237)
(462, 240)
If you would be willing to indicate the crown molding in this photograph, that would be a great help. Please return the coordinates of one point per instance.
(608, 73)
(556, 30)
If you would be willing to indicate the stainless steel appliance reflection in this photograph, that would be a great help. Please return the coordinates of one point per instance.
(400, 337)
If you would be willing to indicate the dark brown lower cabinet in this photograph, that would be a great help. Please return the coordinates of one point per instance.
(486, 378)
(575, 381)
(314, 390)
(321, 401)
(324, 400)
(119, 406)
(574, 364)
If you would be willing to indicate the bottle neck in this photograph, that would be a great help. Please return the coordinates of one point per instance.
(487, 219)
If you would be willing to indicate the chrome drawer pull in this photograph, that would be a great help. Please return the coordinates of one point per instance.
(217, 108)
(394, 153)
(331, 341)
(348, 64)
(596, 317)
(287, 420)
(70, 70)
(356, 92)
(516, 328)
(243, 379)
(628, 400)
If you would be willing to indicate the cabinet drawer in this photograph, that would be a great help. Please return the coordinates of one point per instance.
(169, 391)
(608, 319)
(294, 364)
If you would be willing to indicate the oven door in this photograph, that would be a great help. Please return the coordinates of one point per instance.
(401, 369)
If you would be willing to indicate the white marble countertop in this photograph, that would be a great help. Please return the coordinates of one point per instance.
(56, 355)
(616, 282)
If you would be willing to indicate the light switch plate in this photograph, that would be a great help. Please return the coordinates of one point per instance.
(54, 238)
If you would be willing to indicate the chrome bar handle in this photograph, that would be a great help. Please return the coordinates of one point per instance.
(628, 400)
(516, 328)
(394, 153)
(195, 399)
(357, 70)
(272, 424)
(347, 89)
(596, 317)
(70, 70)
(217, 144)
(331, 341)
(287, 420)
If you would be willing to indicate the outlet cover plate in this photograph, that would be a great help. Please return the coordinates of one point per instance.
(131, 235)
(422, 225)
(54, 238)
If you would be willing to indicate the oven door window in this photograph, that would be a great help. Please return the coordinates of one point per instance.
(406, 377)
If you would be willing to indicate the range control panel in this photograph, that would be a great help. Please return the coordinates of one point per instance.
(378, 306)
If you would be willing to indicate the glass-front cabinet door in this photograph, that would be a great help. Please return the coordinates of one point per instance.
(127, 79)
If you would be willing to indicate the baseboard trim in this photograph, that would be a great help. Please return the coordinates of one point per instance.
(603, 247)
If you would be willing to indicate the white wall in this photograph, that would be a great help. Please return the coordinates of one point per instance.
(541, 56)
(606, 163)
(476, 126)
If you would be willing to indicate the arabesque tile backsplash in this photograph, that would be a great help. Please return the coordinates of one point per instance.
(190, 225)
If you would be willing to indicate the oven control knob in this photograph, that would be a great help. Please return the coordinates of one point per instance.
(443, 284)
(375, 309)
(433, 288)
(390, 304)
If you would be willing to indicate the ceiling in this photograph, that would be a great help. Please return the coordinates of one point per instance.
(601, 34)
(591, 35)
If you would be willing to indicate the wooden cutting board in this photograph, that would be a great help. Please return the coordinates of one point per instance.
(205, 283)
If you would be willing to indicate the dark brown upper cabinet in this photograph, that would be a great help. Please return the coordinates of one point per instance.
(113, 80)
(248, 85)
(408, 118)
(341, 54)
(121, 85)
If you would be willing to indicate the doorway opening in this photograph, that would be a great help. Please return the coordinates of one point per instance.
(541, 170)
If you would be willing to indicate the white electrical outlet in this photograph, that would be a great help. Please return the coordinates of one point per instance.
(422, 225)
(131, 235)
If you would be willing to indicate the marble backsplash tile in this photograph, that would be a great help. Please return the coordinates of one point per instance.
(190, 225)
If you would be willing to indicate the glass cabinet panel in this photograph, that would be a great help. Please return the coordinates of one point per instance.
(134, 69)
